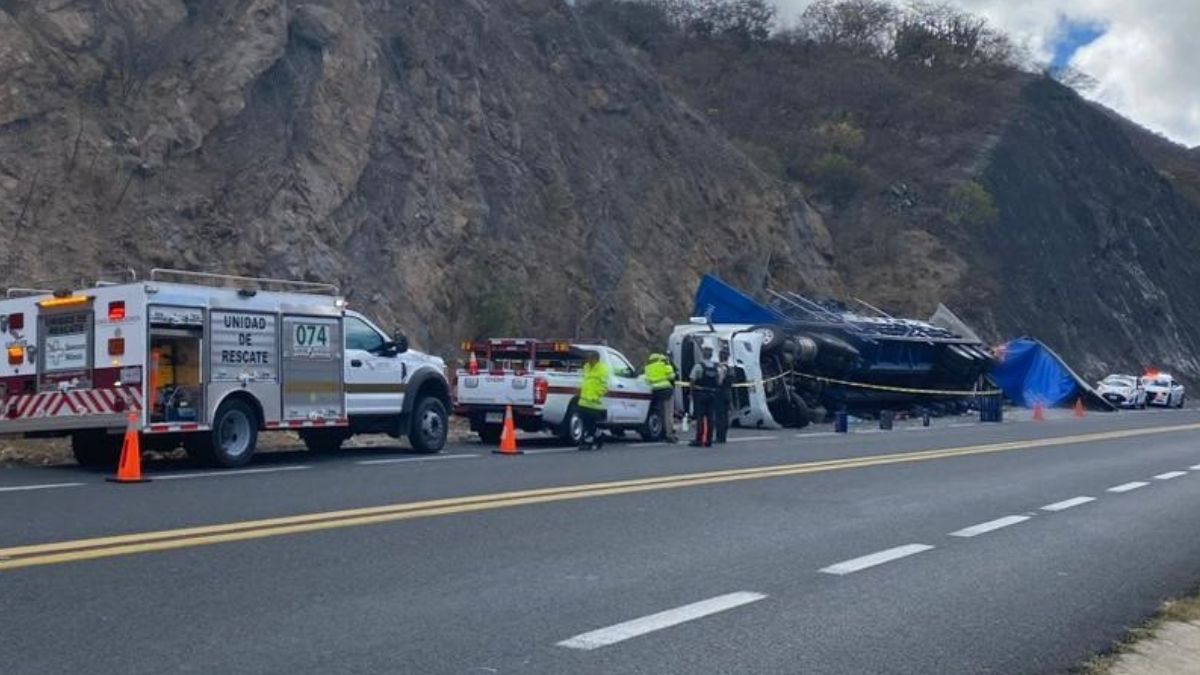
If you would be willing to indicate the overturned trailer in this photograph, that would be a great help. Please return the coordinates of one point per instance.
(811, 357)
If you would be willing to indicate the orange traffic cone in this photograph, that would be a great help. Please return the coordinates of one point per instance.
(130, 468)
(1079, 411)
(508, 437)
(473, 365)
(1039, 412)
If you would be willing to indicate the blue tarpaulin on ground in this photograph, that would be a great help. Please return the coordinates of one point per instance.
(1032, 373)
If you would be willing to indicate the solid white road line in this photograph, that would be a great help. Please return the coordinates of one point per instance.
(656, 622)
(1068, 504)
(219, 474)
(750, 439)
(859, 564)
(990, 526)
(44, 486)
(1195, 468)
(1169, 475)
(961, 425)
(550, 451)
(405, 460)
(818, 434)
(1127, 487)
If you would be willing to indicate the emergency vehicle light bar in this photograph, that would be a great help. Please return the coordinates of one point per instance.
(67, 301)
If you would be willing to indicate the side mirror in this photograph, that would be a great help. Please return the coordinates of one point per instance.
(400, 342)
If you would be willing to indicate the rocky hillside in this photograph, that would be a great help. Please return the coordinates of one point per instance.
(458, 166)
(1005, 195)
(466, 167)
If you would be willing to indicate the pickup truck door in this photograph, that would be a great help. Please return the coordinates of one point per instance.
(374, 378)
(628, 395)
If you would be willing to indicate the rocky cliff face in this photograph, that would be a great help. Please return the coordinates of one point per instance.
(1004, 195)
(458, 166)
(468, 167)
(1095, 251)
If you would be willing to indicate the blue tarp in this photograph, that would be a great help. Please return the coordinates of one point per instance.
(723, 303)
(1031, 372)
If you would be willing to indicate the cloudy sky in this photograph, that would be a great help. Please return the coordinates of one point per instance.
(1144, 56)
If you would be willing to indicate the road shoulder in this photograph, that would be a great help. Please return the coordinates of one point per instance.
(1169, 644)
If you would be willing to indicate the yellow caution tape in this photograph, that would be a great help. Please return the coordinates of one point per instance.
(901, 390)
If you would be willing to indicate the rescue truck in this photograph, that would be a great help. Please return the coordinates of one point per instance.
(540, 379)
(208, 361)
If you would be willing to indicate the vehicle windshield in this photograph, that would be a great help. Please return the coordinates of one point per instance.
(1118, 381)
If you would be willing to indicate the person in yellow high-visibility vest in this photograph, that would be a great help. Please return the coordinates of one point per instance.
(591, 400)
(660, 375)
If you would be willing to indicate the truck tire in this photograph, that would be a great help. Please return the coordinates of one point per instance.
(773, 337)
(233, 439)
(571, 429)
(96, 449)
(654, 429)
(429, 426)
(324, 440)
(802, 415)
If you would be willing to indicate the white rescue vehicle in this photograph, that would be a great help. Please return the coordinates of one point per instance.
(209, 361)
(540, 380)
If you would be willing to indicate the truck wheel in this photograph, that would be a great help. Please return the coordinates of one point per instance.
(429, 427)
(653, 430)
(571, 429)
(324, 440)
(773, 337)
(96, 449)
(233, 439)
(801, 417)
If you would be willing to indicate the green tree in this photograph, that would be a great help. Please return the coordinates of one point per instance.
(838, 178)
(971, 204)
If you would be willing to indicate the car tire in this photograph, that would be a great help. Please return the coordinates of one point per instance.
(1182, 401)
(324, 441)
(233, 439)
(654, 429)
(429, 426)
(96, 449)
(571, 429)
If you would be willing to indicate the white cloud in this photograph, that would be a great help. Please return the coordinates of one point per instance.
(1146, 64)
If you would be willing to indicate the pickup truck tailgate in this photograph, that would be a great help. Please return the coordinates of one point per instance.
(495, 390)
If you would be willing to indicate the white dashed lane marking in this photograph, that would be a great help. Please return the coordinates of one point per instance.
(44, 486)
(1169, 475)
(1127, 487)
(868, 561)
(751, 439)
(989, 526)
(405, 460)
(656, 622)
(221, 474)
(1068, 504)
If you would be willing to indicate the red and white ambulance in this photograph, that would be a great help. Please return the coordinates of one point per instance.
(209, 361)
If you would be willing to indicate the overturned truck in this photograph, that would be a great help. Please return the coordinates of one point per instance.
(798, 360)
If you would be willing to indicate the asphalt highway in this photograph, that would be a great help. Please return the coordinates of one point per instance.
(964, 548)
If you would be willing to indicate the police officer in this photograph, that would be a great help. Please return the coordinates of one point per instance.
(705, 379)
(724, 398)
(591, 400)
(660, 375)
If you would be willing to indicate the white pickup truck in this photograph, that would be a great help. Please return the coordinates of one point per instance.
(540, 380)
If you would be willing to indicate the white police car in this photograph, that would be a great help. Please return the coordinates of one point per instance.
(1164, 391)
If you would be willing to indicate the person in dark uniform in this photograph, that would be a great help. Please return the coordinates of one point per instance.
(724, 397)
(705, 379)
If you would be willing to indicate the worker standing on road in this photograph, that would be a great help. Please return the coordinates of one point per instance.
(591, 400)
(724, 398)
(660, 375)
(705, 379)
